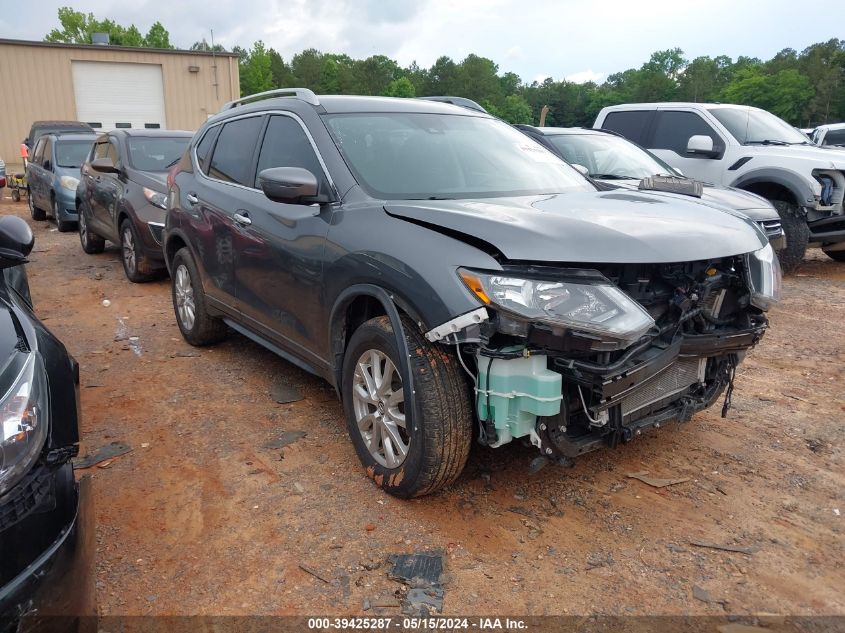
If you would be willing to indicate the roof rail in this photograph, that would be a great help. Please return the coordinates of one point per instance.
(304, 94)
(458, 101)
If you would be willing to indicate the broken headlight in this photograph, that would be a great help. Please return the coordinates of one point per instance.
(599, 309)
(764, 277)
(23, 420)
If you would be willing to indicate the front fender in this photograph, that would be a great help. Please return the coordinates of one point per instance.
(799, 186)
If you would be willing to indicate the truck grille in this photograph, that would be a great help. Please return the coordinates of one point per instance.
(676, 378)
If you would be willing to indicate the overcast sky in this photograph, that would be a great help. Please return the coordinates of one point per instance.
(574, 39)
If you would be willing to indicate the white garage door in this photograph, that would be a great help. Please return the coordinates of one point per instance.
(117, 95)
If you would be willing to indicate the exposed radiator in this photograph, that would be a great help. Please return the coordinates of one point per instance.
(674, 379)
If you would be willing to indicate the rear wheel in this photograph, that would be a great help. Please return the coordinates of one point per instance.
(197, 326)
(838, 256)
(797, 235)
(91, 242)
(35, 212)
(407, 457)
(135, 263)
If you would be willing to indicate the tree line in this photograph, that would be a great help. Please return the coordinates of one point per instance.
(805, 88)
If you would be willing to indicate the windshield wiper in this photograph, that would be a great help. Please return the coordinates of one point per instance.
(612, 177)
(767, 141)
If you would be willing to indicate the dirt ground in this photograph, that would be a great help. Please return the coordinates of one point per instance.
(202, 518)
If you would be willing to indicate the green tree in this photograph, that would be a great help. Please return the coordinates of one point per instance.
(256, 71)
(401, 87)
(514, 109)
(785, 94)
(204, 46)
(77, 28)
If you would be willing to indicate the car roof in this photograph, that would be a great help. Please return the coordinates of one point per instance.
(831, 126)
(73, 136)
(343, 104)
(569, 131)
(677, 104)
(150, 132)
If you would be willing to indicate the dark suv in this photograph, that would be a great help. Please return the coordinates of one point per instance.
(451, 278)
(122, 196)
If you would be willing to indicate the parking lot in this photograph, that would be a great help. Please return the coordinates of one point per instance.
(207, 514)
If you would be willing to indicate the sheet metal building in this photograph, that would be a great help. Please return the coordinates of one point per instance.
(108, 87)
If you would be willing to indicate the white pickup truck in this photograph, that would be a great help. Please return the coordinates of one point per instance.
(750, 149)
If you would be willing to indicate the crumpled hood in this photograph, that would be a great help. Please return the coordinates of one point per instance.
(591, 227)
(749, 204)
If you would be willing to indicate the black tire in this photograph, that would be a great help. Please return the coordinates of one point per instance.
(205, 329)
(136, 264)
(837, 256)
(63, 225)
(91, 242)
(438, 442)
(797, 235)
(16, 195)
(35, 212)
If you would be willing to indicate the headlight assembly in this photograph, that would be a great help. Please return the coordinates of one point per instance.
(764, 277)
(599, 309)
(24, 420)
(69, 182)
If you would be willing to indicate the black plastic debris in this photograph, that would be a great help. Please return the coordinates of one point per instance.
(284, 393)
(287, 437)
(423, 574)
(109, 451)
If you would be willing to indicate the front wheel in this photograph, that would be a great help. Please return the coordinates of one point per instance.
(34, 211)
(63, 225)
(404, 455)
(91, 242)
(197, 326)
(797, 235)
(135, 262)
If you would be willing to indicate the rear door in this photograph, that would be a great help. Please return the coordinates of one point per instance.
(214, 196)
(279, 261)
(34, 173)
(106, 189)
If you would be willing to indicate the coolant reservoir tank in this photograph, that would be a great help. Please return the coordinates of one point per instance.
(516, 392)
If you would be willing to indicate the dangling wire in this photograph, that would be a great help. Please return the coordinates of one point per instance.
(730, 390)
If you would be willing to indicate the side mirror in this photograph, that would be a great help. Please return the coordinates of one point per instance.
(581, 169)
(701, 145)
(291, 185)
(104, 165)
(16, 241)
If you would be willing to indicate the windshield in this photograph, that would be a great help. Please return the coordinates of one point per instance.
(404, 155)
(608, 157)
(758, 126)
(834, 137)
(72, 153)
(155, 154)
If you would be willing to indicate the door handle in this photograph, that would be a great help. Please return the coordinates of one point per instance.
(242, 218)
(192, 198)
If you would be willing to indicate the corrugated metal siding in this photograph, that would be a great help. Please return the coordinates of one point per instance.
(36, 83)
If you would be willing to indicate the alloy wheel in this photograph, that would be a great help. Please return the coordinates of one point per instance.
(83, 229)
(129, 249)
(378, 398)
(184, 291)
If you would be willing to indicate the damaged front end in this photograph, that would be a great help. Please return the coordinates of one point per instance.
(574, 359)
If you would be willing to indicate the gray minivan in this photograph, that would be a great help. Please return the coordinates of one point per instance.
(53, 174)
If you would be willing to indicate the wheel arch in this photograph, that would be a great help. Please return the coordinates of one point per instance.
(777, 184)
(174, 241)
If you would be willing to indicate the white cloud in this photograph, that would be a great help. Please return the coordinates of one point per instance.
(584, 76)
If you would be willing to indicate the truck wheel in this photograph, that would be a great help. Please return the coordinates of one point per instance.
(406, 457)
(837, 256)
(797, 235)
(35, 212)
(197, 326)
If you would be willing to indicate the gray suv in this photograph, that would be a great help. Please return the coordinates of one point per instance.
(453, 279)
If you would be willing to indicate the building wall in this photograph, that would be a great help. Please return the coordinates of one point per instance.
(36, 83)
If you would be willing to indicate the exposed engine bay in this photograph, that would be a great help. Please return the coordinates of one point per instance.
(570, 391)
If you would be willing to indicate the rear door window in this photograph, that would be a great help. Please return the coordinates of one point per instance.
(632, 124)
(232, 160)
(286, 145)
(47, 154)
(672, 130)
(38, 152)
(205, 146)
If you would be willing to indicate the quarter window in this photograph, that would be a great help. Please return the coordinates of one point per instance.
(38, 153)
(673, 130)
(286, 145)
(233, 154)
(204, 148)
(629, 123)
(47, 155)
